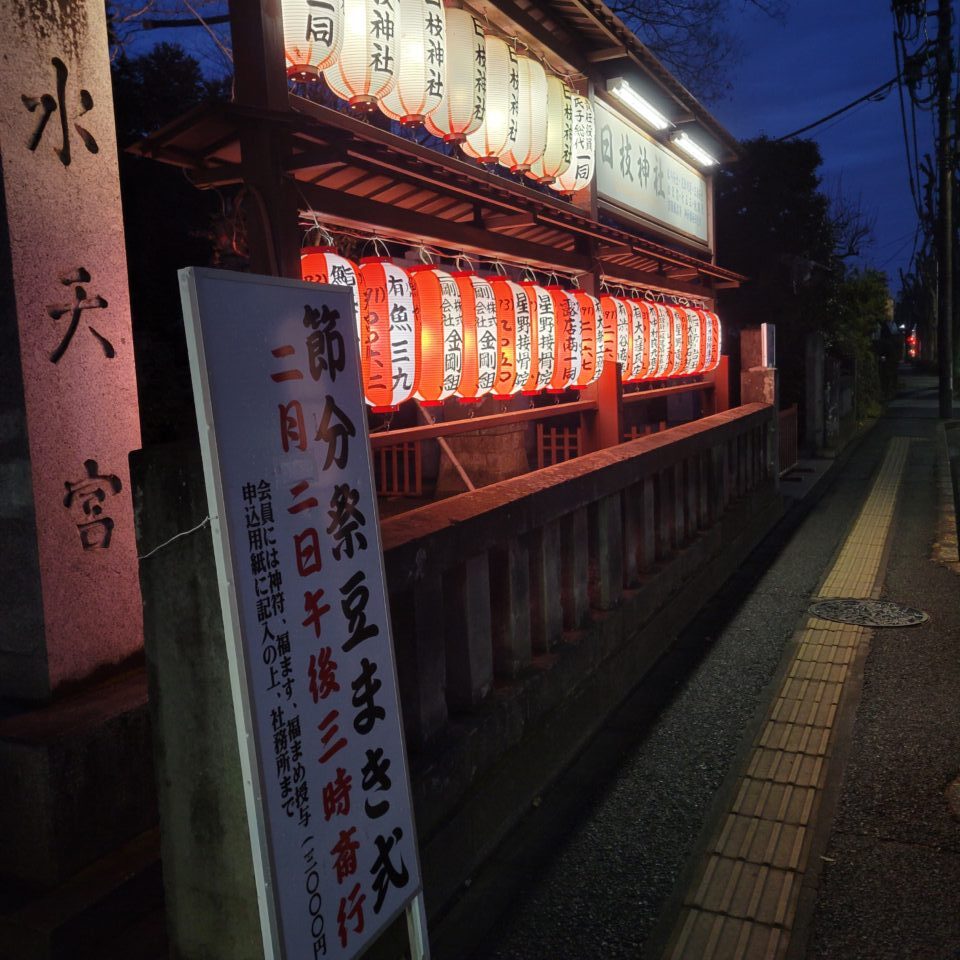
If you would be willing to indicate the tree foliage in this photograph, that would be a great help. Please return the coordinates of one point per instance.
(776, 225)
(167, 226)
(693, 37)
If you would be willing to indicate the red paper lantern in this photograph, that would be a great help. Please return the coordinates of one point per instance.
(679, 342)
(389, 334)
(617, 333)
(325, 265)
(479, 337)
(513, 335)
(711, 353)
(639, 341)
(543, 334)
(661, 339)
(591, 320)
(568, 340)
(436, 302)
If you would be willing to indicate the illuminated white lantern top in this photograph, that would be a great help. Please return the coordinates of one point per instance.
(489, 141)
(464, 97)
(580, 172)
(558, 149)
(528, 136)
(421, 62)
(312, 36)
(367, 67)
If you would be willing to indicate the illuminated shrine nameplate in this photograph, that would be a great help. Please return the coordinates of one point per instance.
(283, 430)
(636, 173)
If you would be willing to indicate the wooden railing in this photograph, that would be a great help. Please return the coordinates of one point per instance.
(482, 582)
(788, 438)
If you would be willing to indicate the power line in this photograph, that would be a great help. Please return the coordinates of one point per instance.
(876, 94)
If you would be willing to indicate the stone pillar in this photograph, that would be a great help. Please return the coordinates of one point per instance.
(68, 400)
(759, 384)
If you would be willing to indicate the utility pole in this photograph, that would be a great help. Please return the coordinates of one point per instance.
(945, 155)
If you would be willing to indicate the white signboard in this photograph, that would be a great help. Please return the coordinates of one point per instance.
(635, 172)
(283, 431)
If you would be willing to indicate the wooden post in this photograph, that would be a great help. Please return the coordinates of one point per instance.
(606, 553)
(510, 607)
(574, 553)
(546, 610)
(630, 507)
(469, 638)
(258, 59)
(648, 525)
(721, 385)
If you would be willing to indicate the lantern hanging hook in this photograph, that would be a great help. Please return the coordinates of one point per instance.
(528, 274)
(425, 256)
(499, 268)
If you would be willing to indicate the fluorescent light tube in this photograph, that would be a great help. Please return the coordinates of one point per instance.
(628, 96)
(693, 150)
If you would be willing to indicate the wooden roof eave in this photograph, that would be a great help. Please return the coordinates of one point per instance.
(326, 140)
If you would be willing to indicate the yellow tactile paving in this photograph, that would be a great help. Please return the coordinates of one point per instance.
(744, 903)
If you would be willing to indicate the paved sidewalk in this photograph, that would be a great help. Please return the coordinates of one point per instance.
(790, 797)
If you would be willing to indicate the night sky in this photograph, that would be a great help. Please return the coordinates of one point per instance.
(826, 54)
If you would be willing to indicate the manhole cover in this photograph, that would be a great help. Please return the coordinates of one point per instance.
(868, 613)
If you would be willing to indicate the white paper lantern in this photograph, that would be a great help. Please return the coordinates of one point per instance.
(528, 137)
(558, 149)
(421, 62)
(580, 172)
(312, 35)
(366, 69)
(461, 108)
(489, 140)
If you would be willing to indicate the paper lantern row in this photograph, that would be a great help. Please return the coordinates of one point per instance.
(431, 335)
(422, 63)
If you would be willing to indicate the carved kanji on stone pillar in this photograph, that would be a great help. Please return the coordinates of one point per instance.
(68, 404)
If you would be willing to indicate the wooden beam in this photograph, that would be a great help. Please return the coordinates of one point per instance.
(219, 176)
(338, 208)
(642, 395)
(657, 281)
(515, 220)
(608, 53)
(450, 427)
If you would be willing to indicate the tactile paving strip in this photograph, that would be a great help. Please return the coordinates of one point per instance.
(743, 905)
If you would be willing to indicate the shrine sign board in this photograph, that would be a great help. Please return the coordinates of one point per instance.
(68, 400)
(636, 173)
(283, 429)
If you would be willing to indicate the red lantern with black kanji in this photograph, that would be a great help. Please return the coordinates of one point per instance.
(436, 301)
(591, 320)
(389, 335)
(513, 336)
(543, 336)
(479, 337)
(568, 340)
